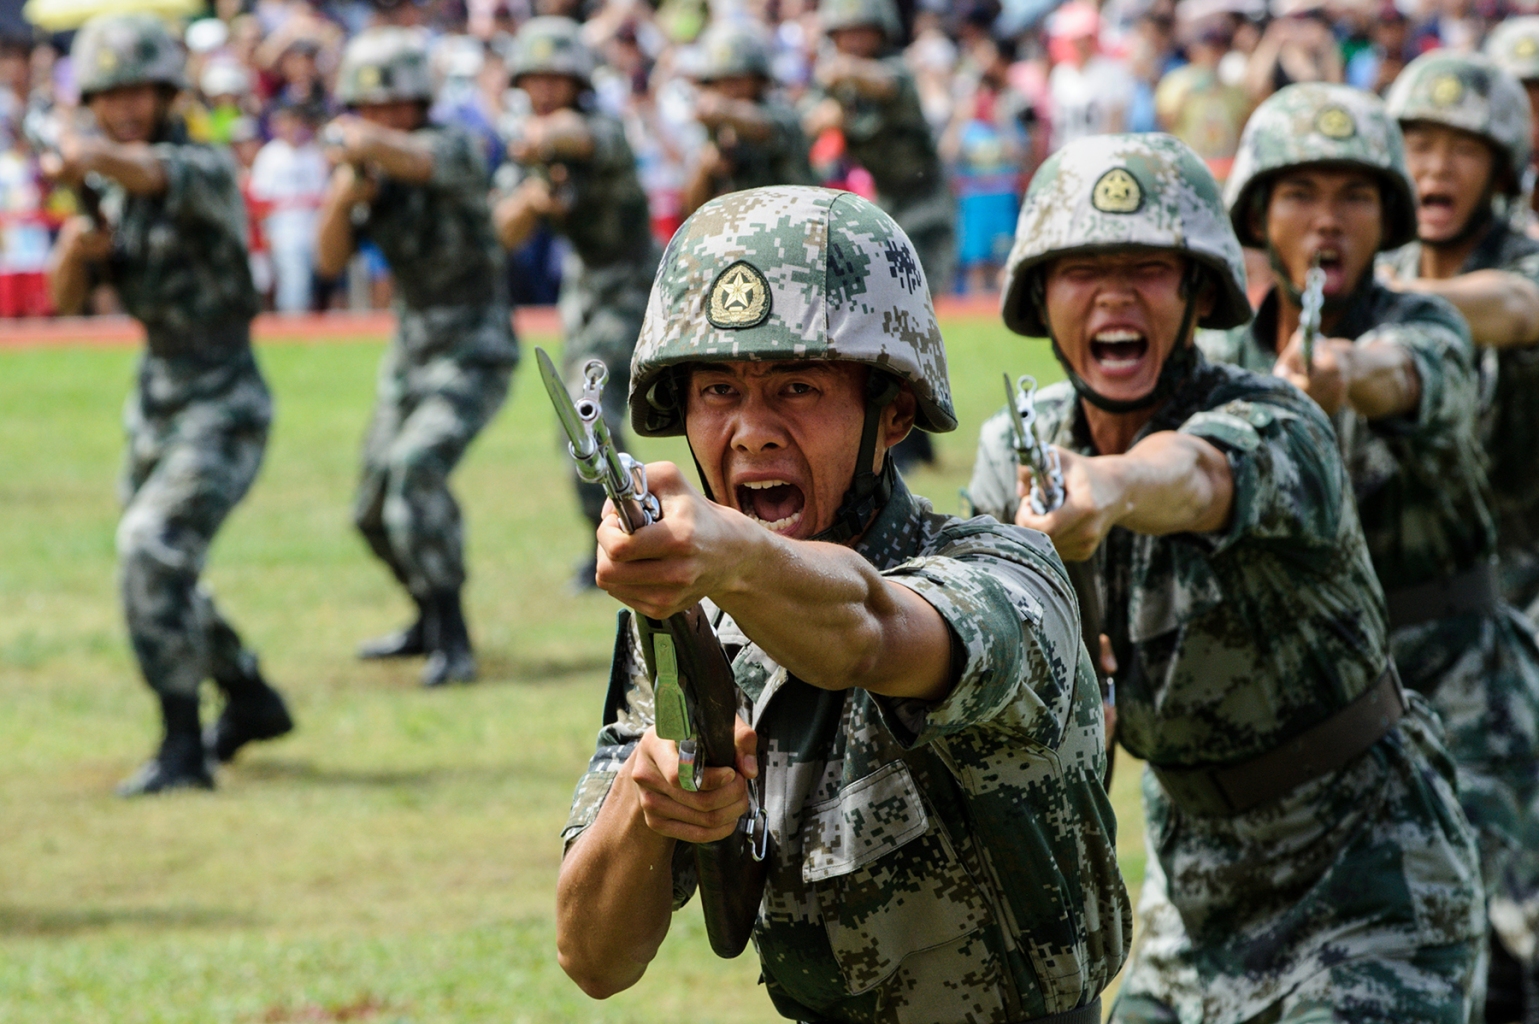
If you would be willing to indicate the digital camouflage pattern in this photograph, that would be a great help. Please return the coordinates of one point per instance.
(551, 45)
(607, 273)
(385, 64)
(114, 50)
(891, 139)
(1316, 123)
(446, 372)
(1228, 644)
(936, 863)
(730, 48)
(1109, 192)
(1514, 45)
(814, 274)
(837, 14)
(1468, 92)
(1422, 496)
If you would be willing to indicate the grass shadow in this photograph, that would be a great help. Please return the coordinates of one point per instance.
(42, 922)
(501, 668)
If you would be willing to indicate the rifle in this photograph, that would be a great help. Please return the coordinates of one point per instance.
(1311, 303)
(44, 131)
(1047, 494)
(694, 692)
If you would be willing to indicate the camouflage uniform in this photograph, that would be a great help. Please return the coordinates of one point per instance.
(607, 272)
(1355, 895)
(891, 140)
(1423, 500)
(940, 862)
(1513, 46)
(1471, 94)
(730, 50)
(446, 372)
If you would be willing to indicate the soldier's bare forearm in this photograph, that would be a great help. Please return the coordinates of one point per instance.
(1382, 380)
(514, 219)
(399, 155)
(334, 236)
(1172, 483)
(614, 896)
(1502, 307)
(132, 165)
(68, 282)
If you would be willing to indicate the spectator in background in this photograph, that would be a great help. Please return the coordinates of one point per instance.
(1088, 92)
(1193, 103)
(300, 84)
(932, 57)
(1152, 55)
(289, 179)
(225, 86)
(1298, 46)
(1389, 49)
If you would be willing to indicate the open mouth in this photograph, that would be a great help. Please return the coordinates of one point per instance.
(1437, 201)
(1436, 210)
(774, 504)
(1118, 349)
(1333, 261)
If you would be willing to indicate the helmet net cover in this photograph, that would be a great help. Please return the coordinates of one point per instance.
(551, 45)
(385, 65)
(115, 50)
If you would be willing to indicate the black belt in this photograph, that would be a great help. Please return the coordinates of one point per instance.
(1090, 1013)
(1322, 748)
(1474, 591)
(207, 341)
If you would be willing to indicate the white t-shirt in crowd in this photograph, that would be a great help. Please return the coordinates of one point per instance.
(293, 180)
(1091, 100)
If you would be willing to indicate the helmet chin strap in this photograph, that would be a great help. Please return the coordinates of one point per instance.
(870, 489)
(1178, 365)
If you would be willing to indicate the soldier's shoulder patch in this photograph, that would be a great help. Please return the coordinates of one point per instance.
(1335, 123)
(1447, 90)
(1117, 191)
(739, 298)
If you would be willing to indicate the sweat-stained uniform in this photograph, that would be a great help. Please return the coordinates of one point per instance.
(938, 863)
(1421, 495)
(197, 420)
(1355, 893)
(446, 372)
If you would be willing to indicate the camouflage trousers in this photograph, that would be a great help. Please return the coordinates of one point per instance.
(1519, 574)
(1481, 673)
(196, 434)
(426, 413)
(601, 312)
(929, 220)
(1356, 897)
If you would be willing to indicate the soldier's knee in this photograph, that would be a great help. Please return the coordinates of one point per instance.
(147, 543)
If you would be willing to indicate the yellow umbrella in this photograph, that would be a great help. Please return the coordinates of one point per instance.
(62, 15)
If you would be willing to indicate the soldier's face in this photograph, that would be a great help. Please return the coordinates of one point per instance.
(130, 113)
(1334, 215)
(1452, 171)
(859, 40)
(778, 441)
(1116, 316)
(549, 93)
(401, 115)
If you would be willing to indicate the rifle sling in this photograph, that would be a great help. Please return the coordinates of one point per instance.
(1471, 592)
(1223, 790)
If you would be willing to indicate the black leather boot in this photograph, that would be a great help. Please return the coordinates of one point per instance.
(450, 659)
(253, 710)
(403, 643)
(180, 763)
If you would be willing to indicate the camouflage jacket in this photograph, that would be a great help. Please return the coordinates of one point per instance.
(892, 140)
(179, 258)
(1509, 391)
(780, 159)
(607, 221)
(1230, 643)
(448, 267)
(932, 862)
(1420, 479)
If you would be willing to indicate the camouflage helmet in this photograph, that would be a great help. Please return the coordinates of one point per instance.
(1471, 93)
(786, 273)
(385, 65)
(551, 45)
(113, 50)
(1111, 192)
(837, 14)
(731, 49)
(1315, 123)
(1514, 46)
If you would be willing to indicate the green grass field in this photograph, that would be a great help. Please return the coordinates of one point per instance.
(393, 860)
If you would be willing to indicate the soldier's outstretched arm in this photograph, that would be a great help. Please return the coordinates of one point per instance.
(133, 165)
(80, 244)
(1167, 483)
(334, 242)
(614, 896)
(399, 155)
(1502, 307)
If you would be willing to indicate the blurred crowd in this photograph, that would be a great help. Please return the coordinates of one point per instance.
(1002, 85)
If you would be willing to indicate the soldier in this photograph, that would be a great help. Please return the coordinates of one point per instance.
(1513, 46)
(756, 140)
(943, 850)
(1320, 180)
(418, 191)
(172, 239)
(1467, 145)
(573, 170)
(865, 90)
(1307, 858)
